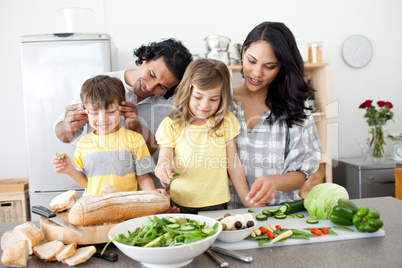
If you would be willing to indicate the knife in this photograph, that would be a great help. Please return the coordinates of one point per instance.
(232, 254)
(45, 212)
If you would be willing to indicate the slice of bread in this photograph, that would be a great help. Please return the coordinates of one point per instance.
(63, 201)
(49, 250)
(16, 255)
(68, 251)
(81, 255)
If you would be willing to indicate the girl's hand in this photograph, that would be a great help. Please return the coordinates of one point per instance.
(164, 171)
(64, 166)
(262, 191)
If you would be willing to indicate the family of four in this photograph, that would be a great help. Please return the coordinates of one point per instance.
(251, 145)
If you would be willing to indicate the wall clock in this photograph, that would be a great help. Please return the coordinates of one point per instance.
(357, 51)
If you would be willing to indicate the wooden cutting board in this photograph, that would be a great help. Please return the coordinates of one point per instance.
(295, 223)
(95, 234)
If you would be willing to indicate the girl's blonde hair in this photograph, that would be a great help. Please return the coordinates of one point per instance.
(204, 74)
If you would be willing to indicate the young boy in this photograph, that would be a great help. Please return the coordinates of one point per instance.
(111, 154)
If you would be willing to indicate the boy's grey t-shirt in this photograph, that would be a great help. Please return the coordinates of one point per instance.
(151, 112)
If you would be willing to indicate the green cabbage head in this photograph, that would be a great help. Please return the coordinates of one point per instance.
(322, 198)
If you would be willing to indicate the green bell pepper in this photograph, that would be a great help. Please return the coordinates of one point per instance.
(343, 213)
(367, 220)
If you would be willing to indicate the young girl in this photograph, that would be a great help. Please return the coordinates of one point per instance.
(197, 141)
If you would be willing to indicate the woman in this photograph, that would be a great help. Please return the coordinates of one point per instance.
(161, 67)
(278, 142)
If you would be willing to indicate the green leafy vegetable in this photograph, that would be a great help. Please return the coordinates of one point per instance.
(320, 201)
(158, 232)
(175, 176)
(61, 156)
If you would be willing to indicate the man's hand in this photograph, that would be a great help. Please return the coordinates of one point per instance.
(129, 111)
(74, 115)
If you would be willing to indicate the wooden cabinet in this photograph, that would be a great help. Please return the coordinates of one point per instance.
(318, 74)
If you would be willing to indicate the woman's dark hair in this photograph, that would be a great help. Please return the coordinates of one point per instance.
(175, 55)
(288, 92)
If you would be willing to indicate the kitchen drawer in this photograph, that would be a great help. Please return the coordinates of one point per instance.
(371, 176)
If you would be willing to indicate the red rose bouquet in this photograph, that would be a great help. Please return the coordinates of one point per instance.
(376, 119)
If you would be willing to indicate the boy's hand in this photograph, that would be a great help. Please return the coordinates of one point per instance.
(62, 163)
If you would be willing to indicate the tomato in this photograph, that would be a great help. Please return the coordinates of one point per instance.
(316, 231)
(324, 230)
(270, 235)
(263, 230)
(278, 227)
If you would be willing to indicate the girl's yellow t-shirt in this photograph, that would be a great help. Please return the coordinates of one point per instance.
(201, 160)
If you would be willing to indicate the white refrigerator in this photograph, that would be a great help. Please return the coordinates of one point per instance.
(53, 66)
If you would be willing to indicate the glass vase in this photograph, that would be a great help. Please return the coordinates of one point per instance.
(376, 141)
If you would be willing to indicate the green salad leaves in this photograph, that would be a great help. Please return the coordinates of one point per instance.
(166, 232)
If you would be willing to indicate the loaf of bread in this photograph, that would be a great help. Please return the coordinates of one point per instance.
(16, 255)
(26, 231)
(117, 207)
(63, 201)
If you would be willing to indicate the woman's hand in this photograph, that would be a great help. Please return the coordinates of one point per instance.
(262, 191)
(129, 112)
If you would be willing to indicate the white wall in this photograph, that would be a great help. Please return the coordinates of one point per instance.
(134, 22)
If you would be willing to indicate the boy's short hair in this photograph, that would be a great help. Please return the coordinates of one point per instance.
(102, 90)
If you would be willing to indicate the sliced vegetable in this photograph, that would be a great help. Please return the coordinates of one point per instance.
(278, 227)
(367, 220)
(261, 217)
(312, 221)
(266, 212)
(273, 210)
(292, 207)
(280, 216)
(281, 236)
(299, 216)
(251, 210)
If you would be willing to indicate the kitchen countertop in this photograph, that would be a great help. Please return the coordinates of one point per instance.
(369, 252)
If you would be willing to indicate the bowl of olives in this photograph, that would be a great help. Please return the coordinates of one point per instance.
(236, 228)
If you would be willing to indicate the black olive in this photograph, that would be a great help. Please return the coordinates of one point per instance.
(238, 225)
(250, 224)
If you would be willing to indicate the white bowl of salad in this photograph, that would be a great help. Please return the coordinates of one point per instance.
(165, 240)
